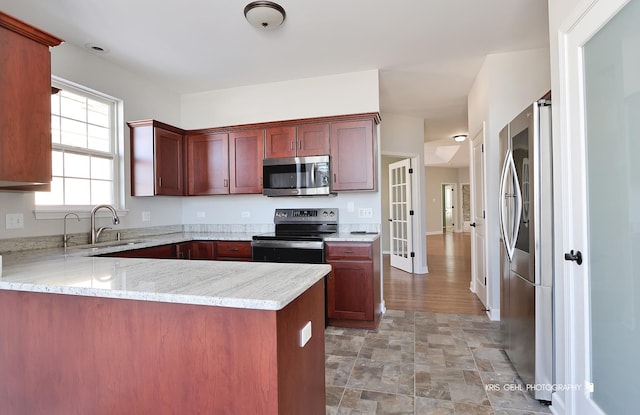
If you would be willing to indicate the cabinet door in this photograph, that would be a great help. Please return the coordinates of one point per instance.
(202, 250)
(168, 163)
(25, 102)
(246, 151)
(157, 252)
(280, 142)
(352, 155)
(232, 250)
(184, 250)
(208, 164)
(313, 139)
(350, 291)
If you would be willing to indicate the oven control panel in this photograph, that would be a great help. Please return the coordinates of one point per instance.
(324, 215)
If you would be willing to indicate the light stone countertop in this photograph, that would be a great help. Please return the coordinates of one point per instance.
(78, 271)
(255, 285)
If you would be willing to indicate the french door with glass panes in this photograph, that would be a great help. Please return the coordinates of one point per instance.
(401, 216)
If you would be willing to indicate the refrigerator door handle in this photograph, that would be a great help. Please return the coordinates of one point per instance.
(503, 201)
(509, 227)
(518, 197)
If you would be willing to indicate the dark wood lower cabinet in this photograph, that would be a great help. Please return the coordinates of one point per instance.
(202, 250)
(76, 355)
(353, 288)
(232, 250)
(158, 252)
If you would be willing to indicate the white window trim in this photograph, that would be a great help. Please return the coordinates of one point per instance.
(58, 212)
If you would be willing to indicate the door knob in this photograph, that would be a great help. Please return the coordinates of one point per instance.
(473, 224)
(573, 256)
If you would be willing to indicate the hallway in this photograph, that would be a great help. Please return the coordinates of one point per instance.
(445, 289)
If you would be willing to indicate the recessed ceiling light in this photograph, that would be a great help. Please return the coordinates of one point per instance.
(460, 137)
(96, 48)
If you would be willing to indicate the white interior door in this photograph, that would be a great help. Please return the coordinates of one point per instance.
(401, 212)
(448, 192)
(465, 197)
(601, 142)
(478, 229)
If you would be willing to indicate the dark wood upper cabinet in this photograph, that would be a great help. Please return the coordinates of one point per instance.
(301, 140)
(157, 166)
(313, 139)
(166, 160)
(207, 164)
(353, 149)
(25, 102)
(246, 151)
(169, 163)
(280, 142)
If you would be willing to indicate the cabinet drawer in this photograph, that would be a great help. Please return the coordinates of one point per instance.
(338, 250)
(232, 249)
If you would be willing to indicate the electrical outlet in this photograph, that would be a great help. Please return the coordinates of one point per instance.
(146, 216)
(201, 214)
(14, 221)
(246, 214)
(305, 334)
(365, 212)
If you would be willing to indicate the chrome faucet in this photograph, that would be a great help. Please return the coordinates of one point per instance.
(65, 238)
(95, 233)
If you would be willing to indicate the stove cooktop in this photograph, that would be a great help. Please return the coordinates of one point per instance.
(273, 236)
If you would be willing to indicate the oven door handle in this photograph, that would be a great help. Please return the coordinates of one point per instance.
(287, 244)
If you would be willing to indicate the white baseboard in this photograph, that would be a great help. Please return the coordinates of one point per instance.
(434, 233)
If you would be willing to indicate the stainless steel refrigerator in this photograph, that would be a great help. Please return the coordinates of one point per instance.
(527, 257)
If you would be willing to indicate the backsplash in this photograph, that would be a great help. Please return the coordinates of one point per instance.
(55, 241)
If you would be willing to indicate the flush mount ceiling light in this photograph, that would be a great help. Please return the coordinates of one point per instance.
(460, 137)
(264, 14)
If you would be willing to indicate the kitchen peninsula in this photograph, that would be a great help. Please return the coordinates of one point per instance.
(95, 335)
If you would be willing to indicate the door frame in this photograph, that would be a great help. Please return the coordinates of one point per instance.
(571, 302)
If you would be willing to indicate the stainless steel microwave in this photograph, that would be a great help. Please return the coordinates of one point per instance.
(296, 176)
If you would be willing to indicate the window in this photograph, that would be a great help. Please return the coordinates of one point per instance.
(85, 162)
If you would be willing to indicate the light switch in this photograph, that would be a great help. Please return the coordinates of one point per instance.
(305, 334)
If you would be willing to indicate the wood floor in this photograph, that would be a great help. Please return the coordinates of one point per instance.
(445, 289)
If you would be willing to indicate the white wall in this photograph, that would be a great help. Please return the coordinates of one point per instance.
(403, 137)
(142, 99)
(505, 85)
(350, 93)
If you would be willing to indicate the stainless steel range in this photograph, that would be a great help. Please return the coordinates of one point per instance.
(298, 237)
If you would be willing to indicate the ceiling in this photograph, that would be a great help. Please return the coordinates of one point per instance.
(427, 51)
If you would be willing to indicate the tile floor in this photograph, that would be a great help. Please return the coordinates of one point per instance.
(424, 364)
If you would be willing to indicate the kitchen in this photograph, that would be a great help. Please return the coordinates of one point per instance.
(348, 93)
